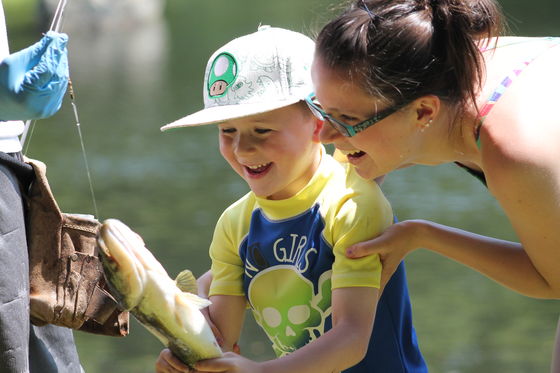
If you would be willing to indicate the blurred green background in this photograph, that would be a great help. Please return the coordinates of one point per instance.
(137, 65)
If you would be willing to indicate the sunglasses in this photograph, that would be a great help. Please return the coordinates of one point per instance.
(347, 130)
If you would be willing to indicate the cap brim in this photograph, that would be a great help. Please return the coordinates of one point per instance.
(219, 114)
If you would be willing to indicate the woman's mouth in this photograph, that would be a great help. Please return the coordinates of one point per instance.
(355, 155)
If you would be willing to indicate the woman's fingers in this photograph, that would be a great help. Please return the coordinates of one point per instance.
(365, 248)
(391, 246)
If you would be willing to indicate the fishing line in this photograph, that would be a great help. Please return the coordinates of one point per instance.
(56, 25)
(75, 109)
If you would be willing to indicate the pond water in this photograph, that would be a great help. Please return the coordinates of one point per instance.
(131, 77)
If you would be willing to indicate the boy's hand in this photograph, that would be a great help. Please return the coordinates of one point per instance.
(168, 363)
(33, 81)
(230, 363)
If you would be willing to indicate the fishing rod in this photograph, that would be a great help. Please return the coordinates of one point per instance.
(56, 25)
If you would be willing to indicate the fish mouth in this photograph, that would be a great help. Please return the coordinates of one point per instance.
(123, 270)
(104, 250)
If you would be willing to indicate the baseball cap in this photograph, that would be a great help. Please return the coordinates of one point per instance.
(263, 71)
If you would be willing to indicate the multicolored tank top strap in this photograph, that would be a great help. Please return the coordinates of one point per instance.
(499, 91)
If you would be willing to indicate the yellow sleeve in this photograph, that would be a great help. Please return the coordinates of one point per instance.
(360, 217)
(227, 267)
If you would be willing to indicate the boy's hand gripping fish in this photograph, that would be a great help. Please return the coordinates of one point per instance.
(141, 285)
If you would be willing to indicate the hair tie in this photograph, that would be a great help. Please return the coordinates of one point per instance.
(365, 7)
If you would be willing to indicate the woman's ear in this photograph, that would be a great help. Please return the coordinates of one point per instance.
(317, 130)
(427, 107)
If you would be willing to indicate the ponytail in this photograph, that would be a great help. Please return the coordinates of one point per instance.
(404, 49)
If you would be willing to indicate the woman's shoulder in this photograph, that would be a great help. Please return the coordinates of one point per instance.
(516, 149)
(523, 128)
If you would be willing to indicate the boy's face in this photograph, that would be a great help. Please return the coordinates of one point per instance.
(276, 153)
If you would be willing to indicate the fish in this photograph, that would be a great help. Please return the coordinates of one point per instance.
(141, 285)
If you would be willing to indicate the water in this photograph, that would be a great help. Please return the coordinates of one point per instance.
(129, 79)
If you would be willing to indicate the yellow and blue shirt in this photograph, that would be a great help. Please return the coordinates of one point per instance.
(286, 256)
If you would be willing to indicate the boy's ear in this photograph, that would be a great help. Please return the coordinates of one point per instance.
(318, 126)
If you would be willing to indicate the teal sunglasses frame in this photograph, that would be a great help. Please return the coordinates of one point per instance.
(348, 130)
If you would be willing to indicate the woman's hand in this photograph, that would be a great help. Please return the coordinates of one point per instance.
(391, 246)
(230, 363)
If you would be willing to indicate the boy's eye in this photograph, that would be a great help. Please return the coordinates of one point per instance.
(261, 131)
(227, 130)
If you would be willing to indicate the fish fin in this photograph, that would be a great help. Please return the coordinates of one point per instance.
(186, 282)
(192, 299)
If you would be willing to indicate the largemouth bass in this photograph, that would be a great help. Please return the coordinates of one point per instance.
(142, 286)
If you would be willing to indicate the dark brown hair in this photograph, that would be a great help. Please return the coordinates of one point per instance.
(404, 49)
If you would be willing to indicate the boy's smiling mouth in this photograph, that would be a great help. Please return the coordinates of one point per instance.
(259, 169)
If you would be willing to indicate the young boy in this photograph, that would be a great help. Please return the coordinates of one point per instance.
(280, 248)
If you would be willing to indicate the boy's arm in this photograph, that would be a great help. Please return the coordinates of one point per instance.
(203, 283)
(343, 346)
(227, 312)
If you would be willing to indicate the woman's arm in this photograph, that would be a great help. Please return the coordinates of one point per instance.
(526, 182)
(503, 261)
(341, 347)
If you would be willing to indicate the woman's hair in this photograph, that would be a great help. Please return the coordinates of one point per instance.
(403, 49)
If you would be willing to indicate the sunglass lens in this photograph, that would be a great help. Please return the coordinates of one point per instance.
(340, 128)
(315, 112)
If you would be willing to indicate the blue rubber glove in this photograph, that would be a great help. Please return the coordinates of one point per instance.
(33, 81)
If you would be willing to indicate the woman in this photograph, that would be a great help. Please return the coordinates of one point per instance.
(406, 82)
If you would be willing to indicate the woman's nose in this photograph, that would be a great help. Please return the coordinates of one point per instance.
(328, 133)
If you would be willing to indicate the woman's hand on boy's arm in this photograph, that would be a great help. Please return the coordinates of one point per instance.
(392, 246)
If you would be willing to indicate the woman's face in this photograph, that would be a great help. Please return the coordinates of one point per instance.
(380, 148)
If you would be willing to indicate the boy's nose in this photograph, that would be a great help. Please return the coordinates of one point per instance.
(244, 144)
(329, 134)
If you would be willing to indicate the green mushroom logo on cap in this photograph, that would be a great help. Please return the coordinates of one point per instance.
(222, 74)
